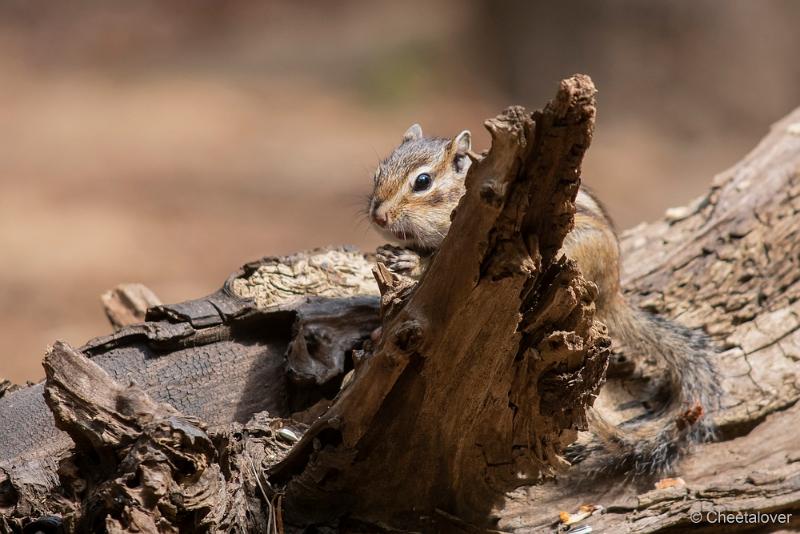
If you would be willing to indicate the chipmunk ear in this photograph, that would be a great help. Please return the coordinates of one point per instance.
(459, 147)
(413, 133)
(462, 143)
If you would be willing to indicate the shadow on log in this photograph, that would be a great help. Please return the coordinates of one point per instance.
(193, 420)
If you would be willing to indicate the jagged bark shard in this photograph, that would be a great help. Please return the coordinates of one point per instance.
(140, 465)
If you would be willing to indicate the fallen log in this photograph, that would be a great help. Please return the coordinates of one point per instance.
(221, 359)
(480, 380)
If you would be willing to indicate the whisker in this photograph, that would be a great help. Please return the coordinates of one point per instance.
(361, 217)
(362, 224)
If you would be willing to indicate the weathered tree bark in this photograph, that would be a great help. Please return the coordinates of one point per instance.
(728, 263)
(481, 377)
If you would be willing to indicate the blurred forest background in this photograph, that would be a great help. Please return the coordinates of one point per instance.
(170, 142)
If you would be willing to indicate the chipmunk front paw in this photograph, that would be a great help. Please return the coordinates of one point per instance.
(400, 260)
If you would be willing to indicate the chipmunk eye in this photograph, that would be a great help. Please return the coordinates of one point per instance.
(422, 182)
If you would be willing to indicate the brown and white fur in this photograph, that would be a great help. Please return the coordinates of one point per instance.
(419, 220)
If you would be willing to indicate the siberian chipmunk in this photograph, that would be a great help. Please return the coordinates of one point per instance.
(414, 192)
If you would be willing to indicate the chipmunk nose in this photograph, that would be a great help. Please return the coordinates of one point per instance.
(379, 216)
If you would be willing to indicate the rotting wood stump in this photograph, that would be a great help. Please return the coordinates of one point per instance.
(198, 418)
(448, 413)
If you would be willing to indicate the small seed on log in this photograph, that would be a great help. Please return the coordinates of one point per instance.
(287, 434)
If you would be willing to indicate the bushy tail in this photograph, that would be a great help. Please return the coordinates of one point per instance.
(650, 444)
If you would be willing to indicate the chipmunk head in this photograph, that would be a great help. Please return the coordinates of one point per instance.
(417, 186)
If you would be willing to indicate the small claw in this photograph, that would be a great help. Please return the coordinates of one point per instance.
(404, 265)
(411, 258)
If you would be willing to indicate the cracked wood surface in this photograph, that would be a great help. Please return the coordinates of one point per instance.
(729, 263)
